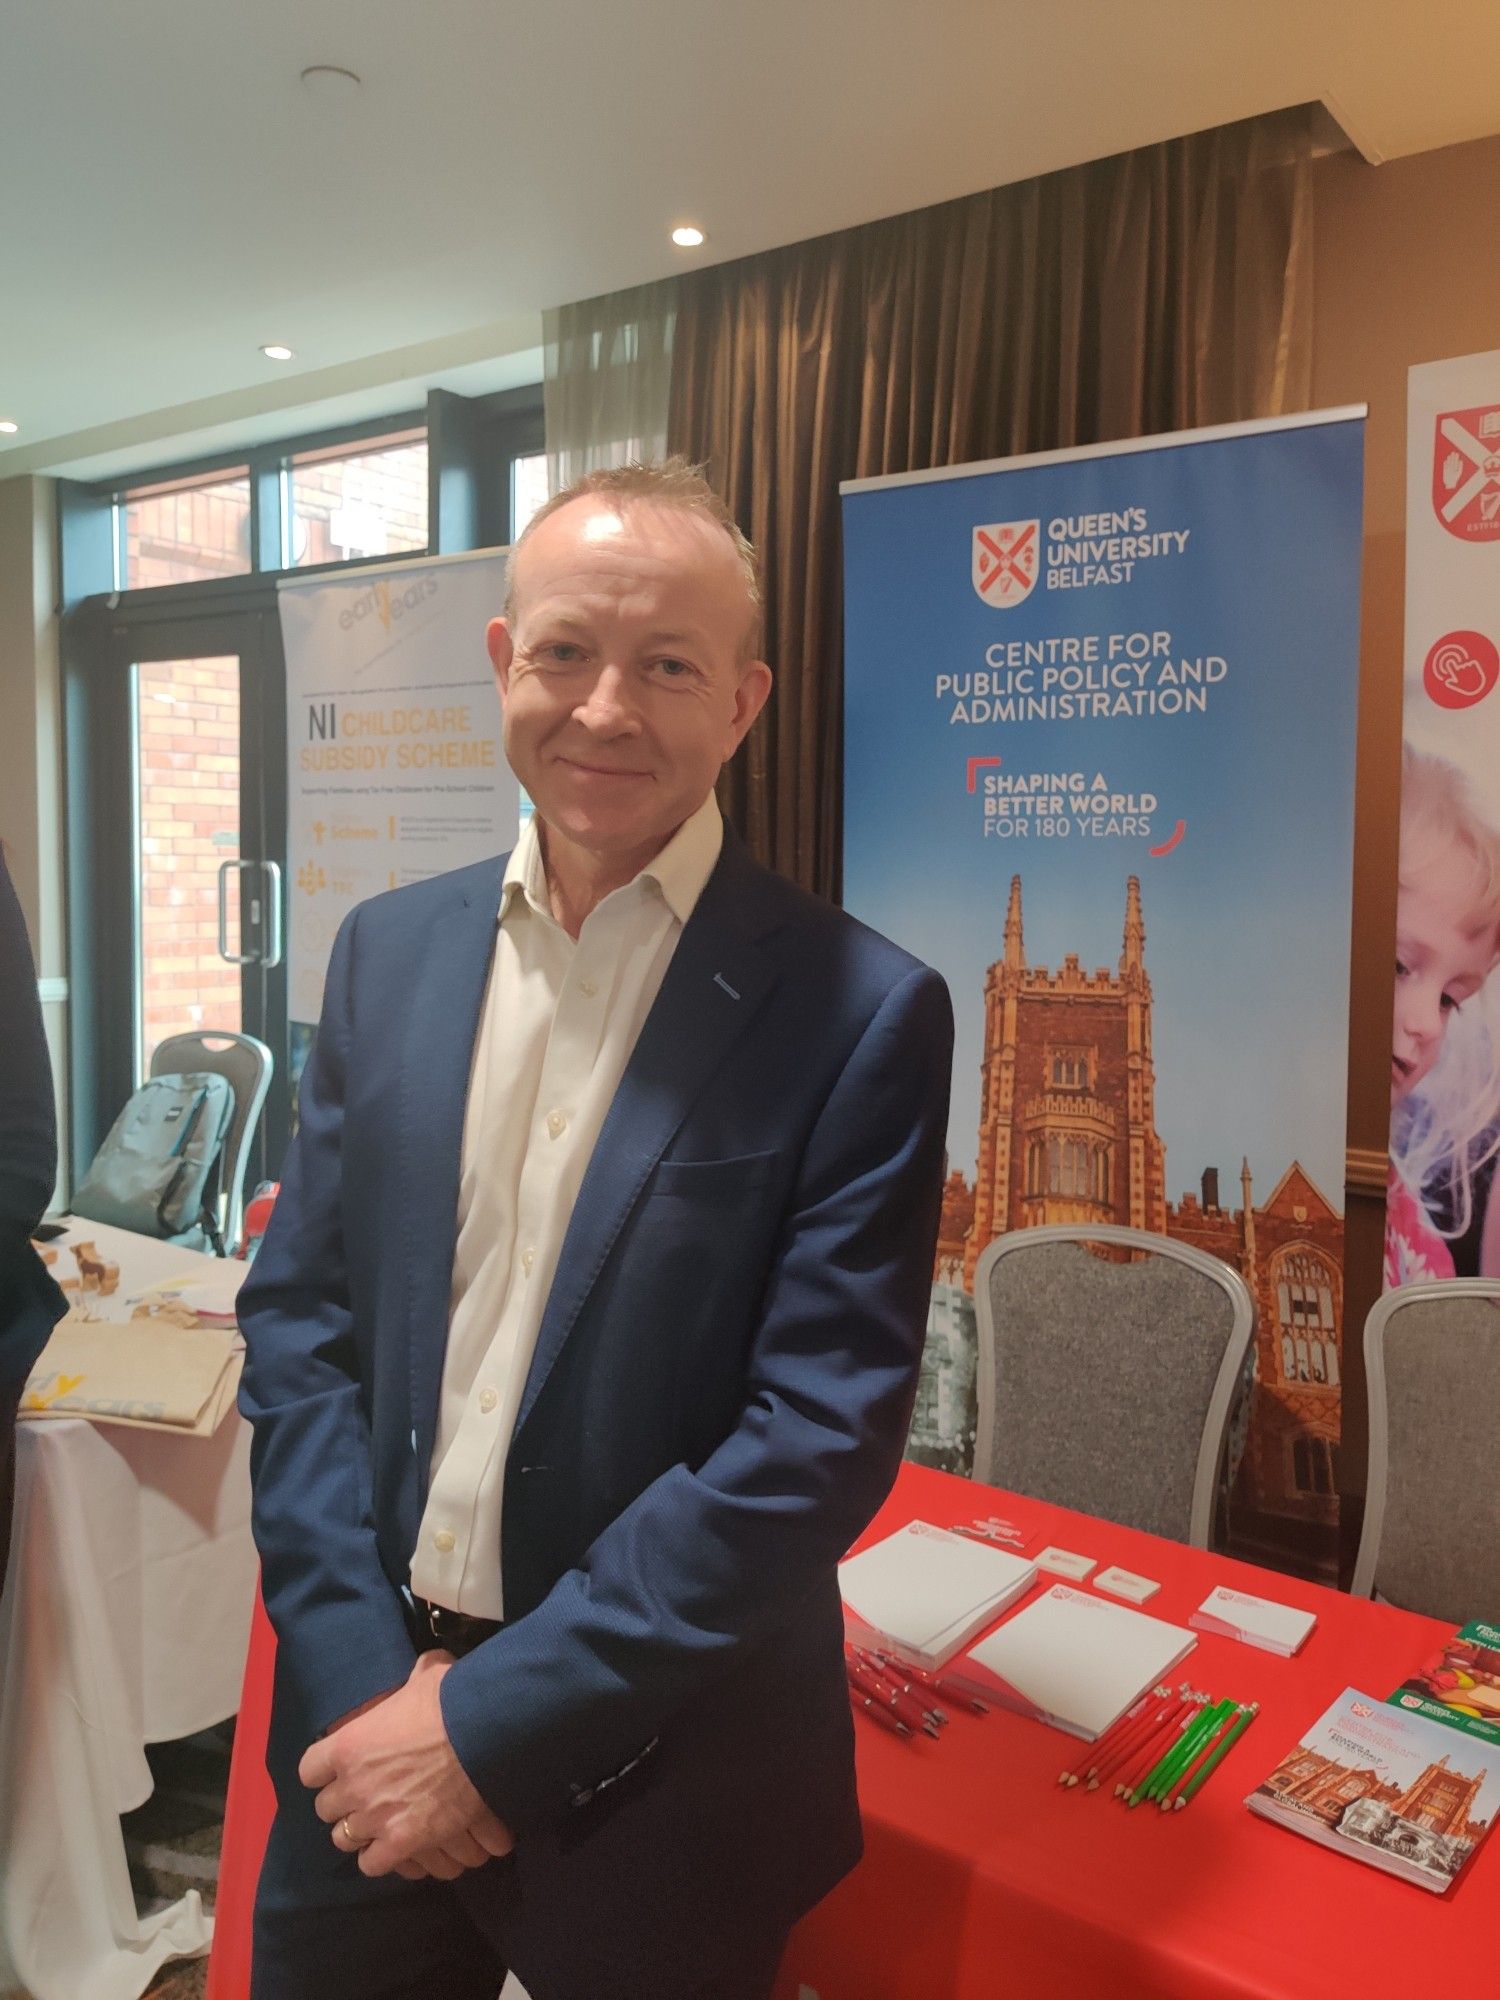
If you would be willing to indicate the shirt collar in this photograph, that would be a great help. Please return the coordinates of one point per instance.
(679, 873)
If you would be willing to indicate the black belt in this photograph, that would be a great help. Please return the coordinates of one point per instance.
(456, 1632)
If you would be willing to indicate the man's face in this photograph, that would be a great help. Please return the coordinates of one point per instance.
(621, 671)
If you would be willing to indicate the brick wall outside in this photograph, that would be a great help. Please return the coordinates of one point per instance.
(190, 816)
(196, 532)
(389, 488)
(189, 712)
(201, 531)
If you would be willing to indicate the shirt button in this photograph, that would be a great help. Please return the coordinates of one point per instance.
(557, 1123)
(444, 1541)
(587, 988)
(528, 1258)
(488, 1398)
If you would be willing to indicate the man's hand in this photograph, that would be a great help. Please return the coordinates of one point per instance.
(392, 1790)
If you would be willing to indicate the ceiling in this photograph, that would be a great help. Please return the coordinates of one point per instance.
(171, 196)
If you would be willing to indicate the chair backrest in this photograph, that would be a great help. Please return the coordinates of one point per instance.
(1107, 1384)
(247, 1063)
(1431, 1537)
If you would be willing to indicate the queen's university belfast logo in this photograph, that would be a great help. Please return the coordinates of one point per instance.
(1005, 561)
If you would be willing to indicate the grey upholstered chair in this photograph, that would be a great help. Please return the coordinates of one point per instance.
(1108, 1384)
(1431, 1538)
(247, 1063)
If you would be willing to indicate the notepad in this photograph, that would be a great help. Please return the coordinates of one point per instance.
(1074, 1660)
(1275, 1628)
(924, 1592)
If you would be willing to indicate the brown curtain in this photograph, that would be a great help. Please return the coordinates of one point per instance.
(1154, 291)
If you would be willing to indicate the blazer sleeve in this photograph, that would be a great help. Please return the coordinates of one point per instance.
(30, 1302)
(706, 1561)
(341, 1636)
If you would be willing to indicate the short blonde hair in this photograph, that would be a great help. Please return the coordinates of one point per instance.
(666, 482)
(1438, 816)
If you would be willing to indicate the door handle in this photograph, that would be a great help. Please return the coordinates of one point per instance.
(271, 935)
(231, 957)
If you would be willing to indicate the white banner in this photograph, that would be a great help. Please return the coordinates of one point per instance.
(1441, 1220)
(395, 765)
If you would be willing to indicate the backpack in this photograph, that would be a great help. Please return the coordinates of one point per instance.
(158, 1171)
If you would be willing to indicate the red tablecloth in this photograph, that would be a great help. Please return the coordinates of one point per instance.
(982, 1879)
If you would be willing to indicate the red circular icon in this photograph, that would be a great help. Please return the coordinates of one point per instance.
(1461, 669)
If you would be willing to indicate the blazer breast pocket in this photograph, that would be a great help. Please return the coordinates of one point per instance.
(712, 1180)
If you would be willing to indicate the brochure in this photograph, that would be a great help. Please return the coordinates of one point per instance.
(1398, 1790)
(1460, 1682)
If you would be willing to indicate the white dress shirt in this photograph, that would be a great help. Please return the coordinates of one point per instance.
(558, 1026)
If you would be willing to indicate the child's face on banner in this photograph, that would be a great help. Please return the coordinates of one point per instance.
(1441, 961)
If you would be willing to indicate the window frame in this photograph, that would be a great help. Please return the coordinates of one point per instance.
(471, 444)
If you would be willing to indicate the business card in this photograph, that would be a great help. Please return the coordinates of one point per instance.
(1066, 1562)
(1125, 1583)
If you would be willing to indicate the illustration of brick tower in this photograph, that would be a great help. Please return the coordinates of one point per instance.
(1067, 1127)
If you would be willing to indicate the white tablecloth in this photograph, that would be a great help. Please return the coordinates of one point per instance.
(124, 1622)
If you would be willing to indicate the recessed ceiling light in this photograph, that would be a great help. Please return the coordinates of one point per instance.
(687, 237)
(329, 80)
(7, 426)
(276, 352)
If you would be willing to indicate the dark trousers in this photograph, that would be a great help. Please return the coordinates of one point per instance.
(417, 1941)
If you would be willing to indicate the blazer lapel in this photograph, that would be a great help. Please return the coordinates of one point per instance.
(442, 1022)
(714, 985)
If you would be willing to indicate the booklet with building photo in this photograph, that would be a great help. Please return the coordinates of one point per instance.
(1459, 1683)
(1386, 1786)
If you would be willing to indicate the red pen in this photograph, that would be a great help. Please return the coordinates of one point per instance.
(950, 1690)
(877, 1713)
(869, 1681)
(890, 1670)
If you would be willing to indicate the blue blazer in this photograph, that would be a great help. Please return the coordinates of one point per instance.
(717, 1404)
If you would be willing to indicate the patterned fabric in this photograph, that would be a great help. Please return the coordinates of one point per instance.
(1413, 1249)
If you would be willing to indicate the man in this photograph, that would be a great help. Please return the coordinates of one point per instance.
(30, 1302)
(584, 1337)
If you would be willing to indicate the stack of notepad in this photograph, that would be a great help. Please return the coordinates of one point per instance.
(923, 1592)
(1074, 1660)
(1275, 1628)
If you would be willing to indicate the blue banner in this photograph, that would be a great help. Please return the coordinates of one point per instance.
(1099, 771)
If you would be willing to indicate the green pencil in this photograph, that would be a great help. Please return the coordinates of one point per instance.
(1188, 1734)
(1246, 1717)
(1185, 1750)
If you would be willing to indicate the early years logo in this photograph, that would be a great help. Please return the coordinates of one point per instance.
(1005, 562)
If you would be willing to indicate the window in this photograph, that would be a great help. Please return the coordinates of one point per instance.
(1070, 1069)
(369, 499)
(187, 729)
(1306, 1310)
(184, 530)
(528, 490)
(1312, 1465)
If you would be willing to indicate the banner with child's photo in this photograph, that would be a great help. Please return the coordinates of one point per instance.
(1099, 771)
(1442, 1218)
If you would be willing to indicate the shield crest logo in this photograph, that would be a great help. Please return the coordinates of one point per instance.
(1004, 561)
(1466, 473)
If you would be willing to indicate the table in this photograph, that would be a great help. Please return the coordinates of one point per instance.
(983, 1880)
(124, 1622)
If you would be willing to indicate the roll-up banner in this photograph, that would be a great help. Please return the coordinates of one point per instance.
(1442, 1218)
(1099, 771)
(396, 770)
